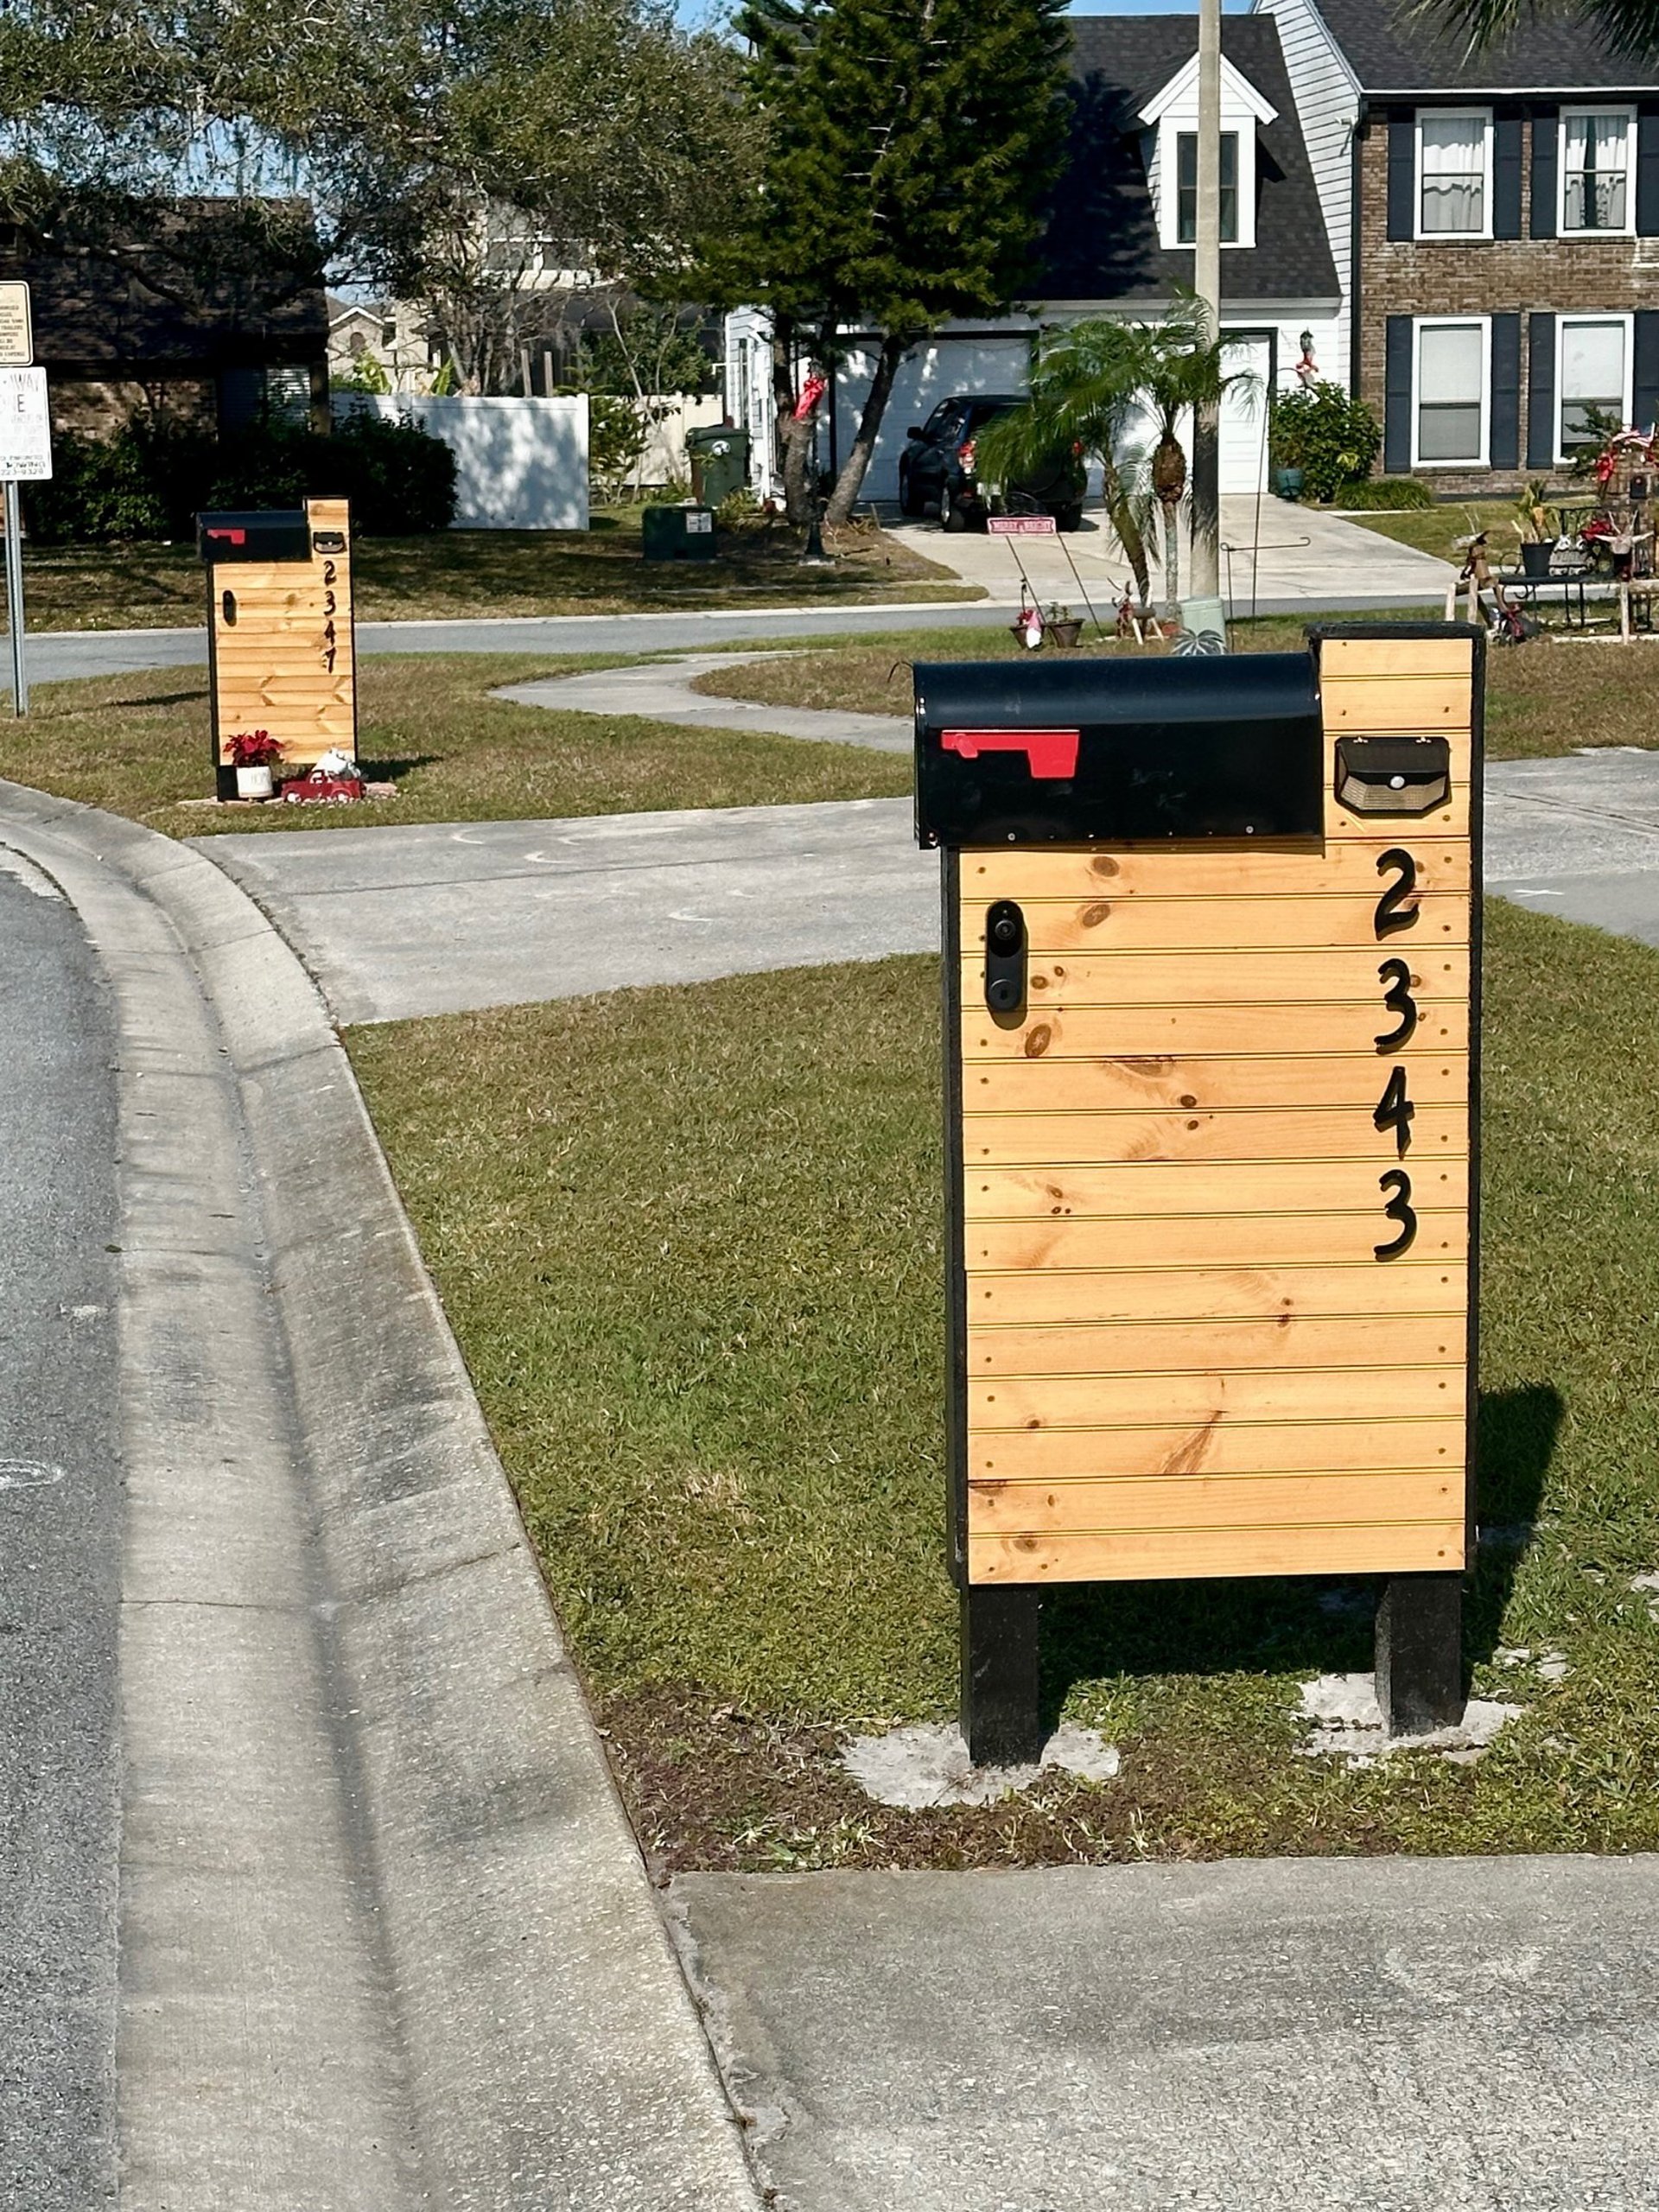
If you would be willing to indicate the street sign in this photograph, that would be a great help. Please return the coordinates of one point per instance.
(1021, 525)
(1211, 1031)
(17, 333)
(25, 427)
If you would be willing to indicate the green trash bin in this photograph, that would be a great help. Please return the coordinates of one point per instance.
(678, 533)
(720, 462)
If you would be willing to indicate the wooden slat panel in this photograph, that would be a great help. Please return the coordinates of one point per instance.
(1411, 1547)
(1190, 1084)
(1281, 975)
(1215, 1448)
(1419, 705)
(1274, 1340)
(1143, 1032)
(1211, 1502)
(1251, 868)
(1449, 819)
(1073, 1191)
(1259, 1395)
(1210, 1239)
(1308, 1133)
(1342, 658)
(1233, 924)
(1150, 1294)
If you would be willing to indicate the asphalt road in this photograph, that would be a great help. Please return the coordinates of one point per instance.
(58, 1558)
(53, 654)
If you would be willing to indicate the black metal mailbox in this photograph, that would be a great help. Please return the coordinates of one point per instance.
(276, 534)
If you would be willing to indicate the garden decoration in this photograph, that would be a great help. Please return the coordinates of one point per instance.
(280, 645)
(1210, 1031)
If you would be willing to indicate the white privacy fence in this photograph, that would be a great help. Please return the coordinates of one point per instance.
(520, 464)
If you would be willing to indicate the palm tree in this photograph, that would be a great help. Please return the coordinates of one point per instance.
(1091, 384)
(1083, 385)
(1631, 25)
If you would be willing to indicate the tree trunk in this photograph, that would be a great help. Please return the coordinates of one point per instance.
(783, 397)
(1120, 516)
(851, 479)
(1172, 560)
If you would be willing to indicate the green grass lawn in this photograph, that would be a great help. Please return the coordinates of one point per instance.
(1551, 695)
(139, 746)
(1436, 529)
(498, 572)
(690, 1241)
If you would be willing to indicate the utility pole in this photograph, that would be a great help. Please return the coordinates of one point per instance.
(1205, 570)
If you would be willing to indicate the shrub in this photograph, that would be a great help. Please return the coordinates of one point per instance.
(1384, 493)
(1332, 438)
(151, 480)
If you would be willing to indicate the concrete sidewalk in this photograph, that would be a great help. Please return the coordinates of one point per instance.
(662, 689)
(1379, 2034)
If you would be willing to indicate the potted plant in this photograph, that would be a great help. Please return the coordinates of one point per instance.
(254, 754)
(1531, 525)
(1063, 626)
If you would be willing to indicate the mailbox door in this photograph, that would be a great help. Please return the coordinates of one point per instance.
(281, 646)
(1212, 1192)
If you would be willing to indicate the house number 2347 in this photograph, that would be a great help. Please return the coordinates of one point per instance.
(1396, 910)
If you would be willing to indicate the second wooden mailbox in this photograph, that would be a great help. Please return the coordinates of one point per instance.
(1211, 956)
(280, 640)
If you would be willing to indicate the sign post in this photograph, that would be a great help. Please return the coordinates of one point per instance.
(1211, 1024)
(25, 457)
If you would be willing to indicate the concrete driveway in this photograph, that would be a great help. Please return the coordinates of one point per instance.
(395, 922)
(1279, 557)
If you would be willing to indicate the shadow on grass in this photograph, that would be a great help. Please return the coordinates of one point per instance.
(1306, 1624)
(393, 771)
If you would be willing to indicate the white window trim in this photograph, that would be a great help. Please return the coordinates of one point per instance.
(1627, 323)
(1483, 458)
(1484, 117)
(1168, 181)
(1628, 115)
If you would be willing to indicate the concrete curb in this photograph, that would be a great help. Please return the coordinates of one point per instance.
(387, 1940)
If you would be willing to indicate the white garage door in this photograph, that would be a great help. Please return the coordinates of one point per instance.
(1244, 417)
(936, 371)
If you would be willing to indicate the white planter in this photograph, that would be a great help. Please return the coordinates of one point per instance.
(254, 782)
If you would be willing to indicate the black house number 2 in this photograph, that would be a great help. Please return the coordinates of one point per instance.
(1396, 910)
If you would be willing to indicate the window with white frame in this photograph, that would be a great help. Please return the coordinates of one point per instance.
(1454, 173)
(1593, 374)
(1186, 188)
(1449, 398)
(1597, 151)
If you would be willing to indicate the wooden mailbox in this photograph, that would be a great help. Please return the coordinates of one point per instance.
(1210, 979)
(280, 646)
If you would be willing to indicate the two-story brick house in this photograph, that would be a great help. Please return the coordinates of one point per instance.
(1494, 219)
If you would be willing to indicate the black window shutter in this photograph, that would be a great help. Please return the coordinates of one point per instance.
(1647, 169)
(1506, 390)
(1402, 173)
(1646, 375)
(1506, 172)
(1396, 397)
(1541, 392)
(1546, 147)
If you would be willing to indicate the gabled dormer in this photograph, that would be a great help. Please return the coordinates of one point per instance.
(1171, 147)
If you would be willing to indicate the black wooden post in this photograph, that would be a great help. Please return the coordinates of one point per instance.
(1420, 1653)
(999, 1719)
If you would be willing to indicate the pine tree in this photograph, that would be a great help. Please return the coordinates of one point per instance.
(910, 142)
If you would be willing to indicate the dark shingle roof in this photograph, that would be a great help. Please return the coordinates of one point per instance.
(1102, 241)
(197, 290)
(1389, 52)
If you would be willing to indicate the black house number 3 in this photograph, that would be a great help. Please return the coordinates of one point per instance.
(1396, 910)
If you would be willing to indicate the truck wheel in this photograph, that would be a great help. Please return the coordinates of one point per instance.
(1070, 517)
(951, 515)
(910, 500)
